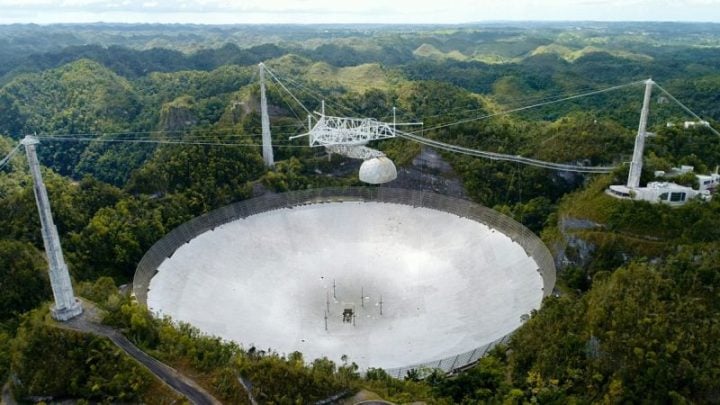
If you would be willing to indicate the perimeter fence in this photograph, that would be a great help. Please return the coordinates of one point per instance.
(533, 246)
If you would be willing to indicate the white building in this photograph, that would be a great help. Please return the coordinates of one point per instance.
(660, 192)
(708, 182)
(669, 192)
(701, 123)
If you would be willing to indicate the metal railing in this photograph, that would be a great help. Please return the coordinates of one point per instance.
(533, 246)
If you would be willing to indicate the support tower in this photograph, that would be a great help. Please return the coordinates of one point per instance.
(637, 159)
(265, 121)
(66, 305)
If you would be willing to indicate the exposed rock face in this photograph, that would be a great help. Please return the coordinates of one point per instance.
(574, 250)
(429, 171)
(239, 109)
(247, 104)
(178, 115)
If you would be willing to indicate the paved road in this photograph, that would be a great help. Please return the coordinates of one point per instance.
(87, 322)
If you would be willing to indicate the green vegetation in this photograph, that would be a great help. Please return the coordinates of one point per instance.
(636, 318)
(24, 279)
(49, 361)
(656, 321)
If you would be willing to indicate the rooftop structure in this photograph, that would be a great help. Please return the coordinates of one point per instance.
(690, 124)
(659, 192)
(708, 182)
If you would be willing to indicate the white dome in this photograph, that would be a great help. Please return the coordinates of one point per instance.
(378, 170)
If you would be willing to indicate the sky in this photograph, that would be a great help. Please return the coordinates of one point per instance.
(353, 11)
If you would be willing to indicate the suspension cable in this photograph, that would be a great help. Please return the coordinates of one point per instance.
(500, 156)
(412, 135)
(504, 157)
(505, 112)
(684, 107)
(286, 89)
(7, 158)
(315, 95)
(160, 141)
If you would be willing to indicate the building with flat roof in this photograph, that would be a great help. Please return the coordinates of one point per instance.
(659, 192)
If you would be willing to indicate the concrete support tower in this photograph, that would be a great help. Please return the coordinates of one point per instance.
(637, 162)
(66, 306)
(265, 120)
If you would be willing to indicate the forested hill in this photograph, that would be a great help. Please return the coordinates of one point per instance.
(144, 127)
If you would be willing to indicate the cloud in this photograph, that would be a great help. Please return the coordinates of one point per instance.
(254, 6)
(368, 11)
(306, 10)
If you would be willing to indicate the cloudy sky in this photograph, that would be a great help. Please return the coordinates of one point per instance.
(352, 11)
